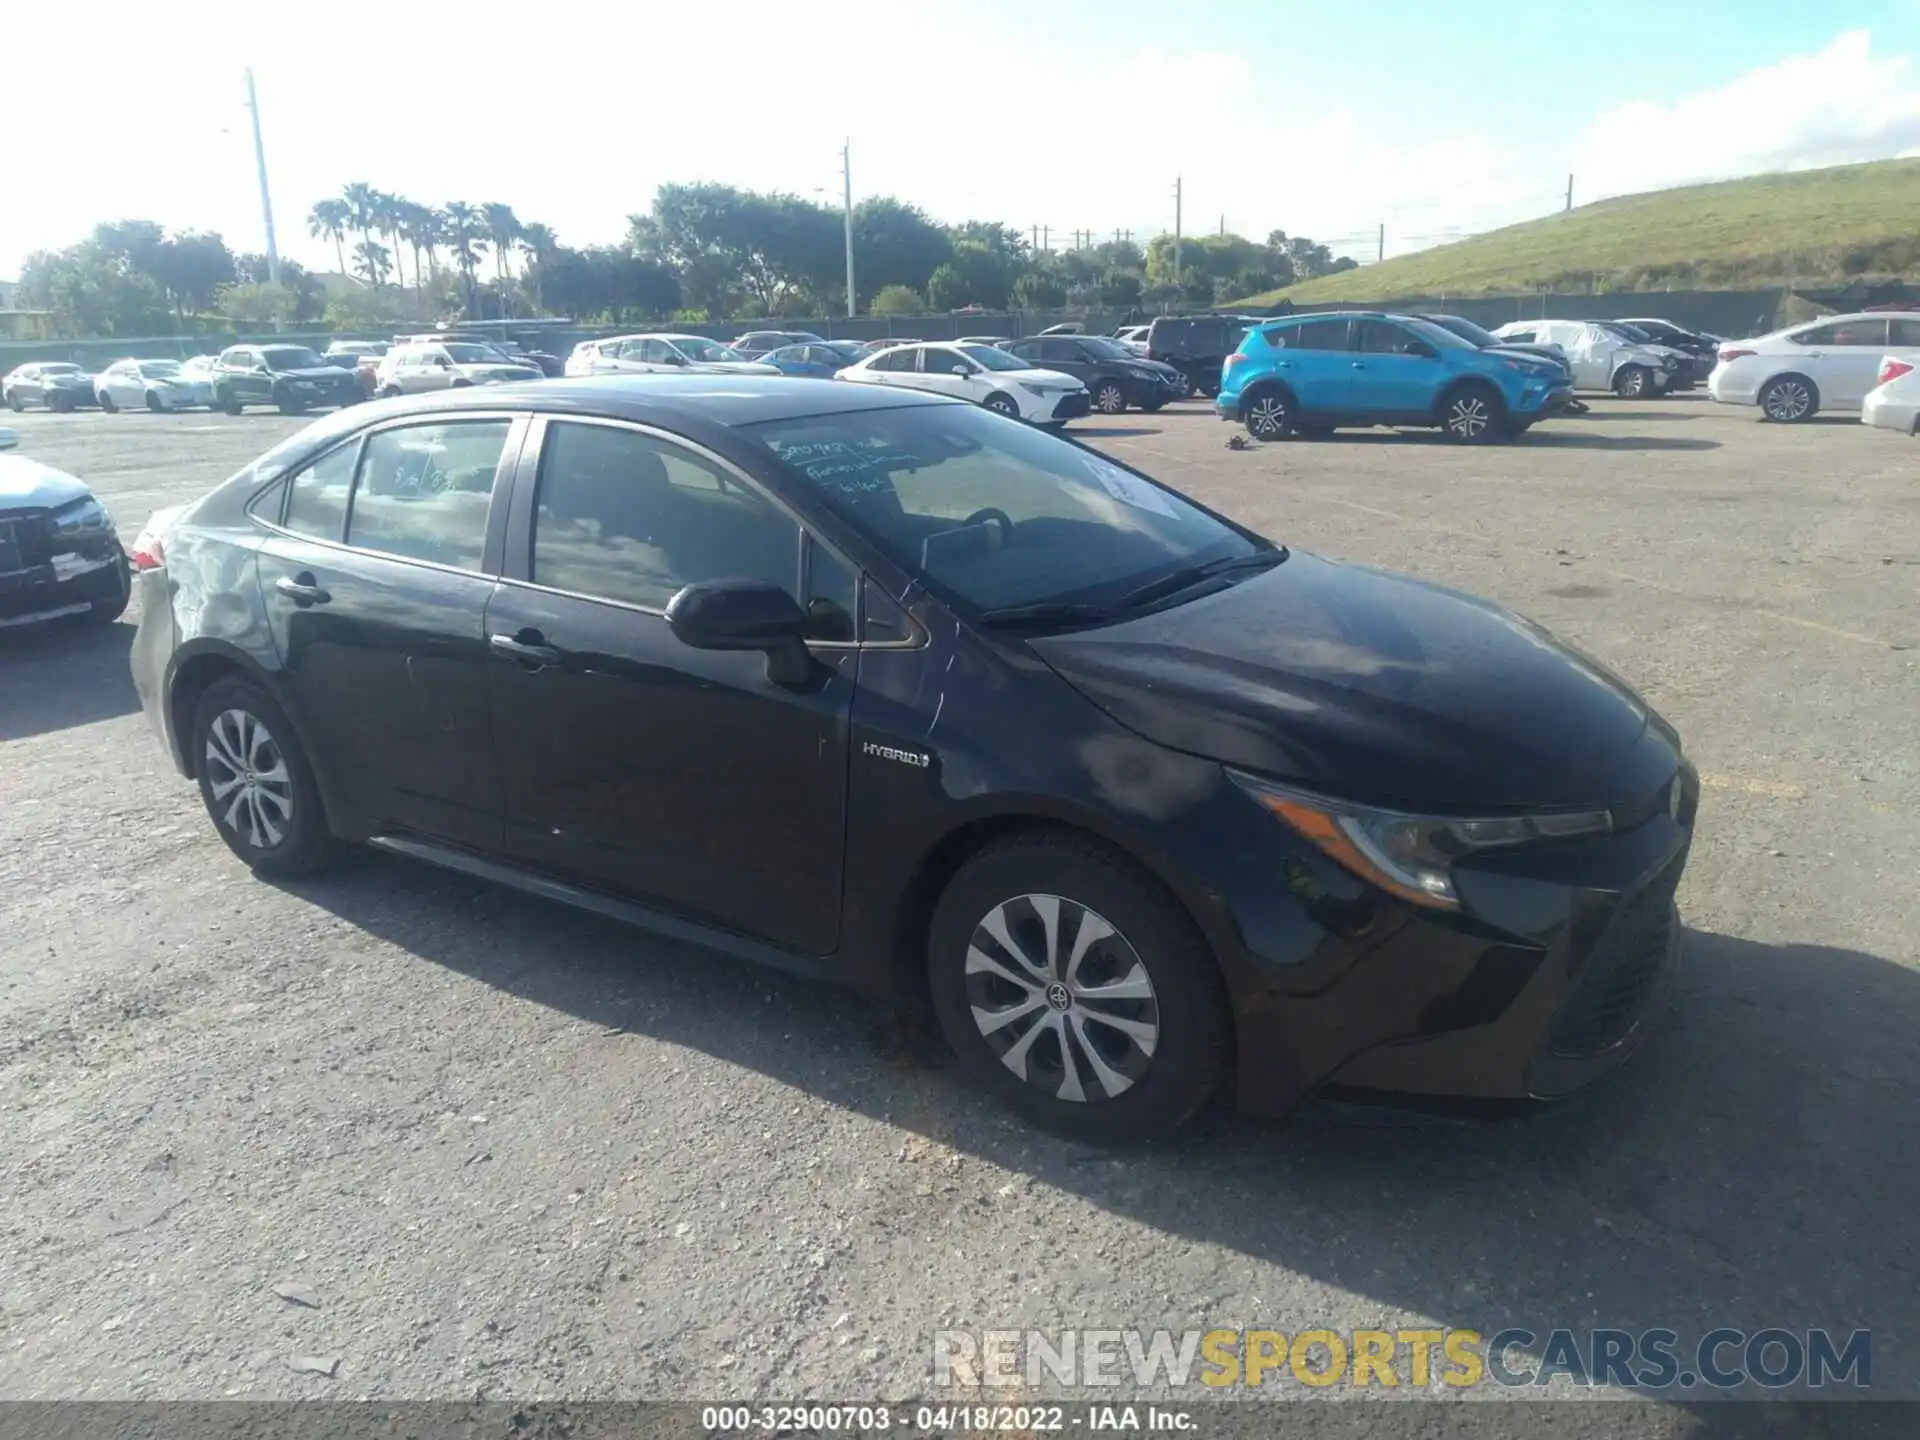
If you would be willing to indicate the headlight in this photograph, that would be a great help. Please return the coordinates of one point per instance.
(1411, 856)
(81, 517)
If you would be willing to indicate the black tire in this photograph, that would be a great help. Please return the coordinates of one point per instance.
(105, 612)
(15, 403)
(1184, 1008)
(288, 405)
(60, 404)
(227, 402)
(1269, 413)
(392, 392)
(108, 403)
(1473, 414)
(1789, 400)
(1002, 405)
(153, 402)
(304, 843)
(1634, 382)
(1109, 397)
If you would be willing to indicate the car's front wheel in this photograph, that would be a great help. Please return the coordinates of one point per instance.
(154, 402)
(1789, 399)
(255, 781)
(227, 402)
(1633, 381)
(289, 404)
(1074, 988)
(58, 403)
(1003, 405)
(1108, 397)
(1473, 415)
(108, 403)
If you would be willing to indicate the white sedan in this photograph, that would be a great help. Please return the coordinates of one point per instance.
(980, 373)
(1894, 404)
(661, 354)
(1795, 373)
(155, 384)
(411, 369)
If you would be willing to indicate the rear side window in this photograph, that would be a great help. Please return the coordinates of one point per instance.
(896, 360)
(425, 490)
(317, 495)
(624, 516)
(1319, 335)
(1848, 333)
(1903, 332)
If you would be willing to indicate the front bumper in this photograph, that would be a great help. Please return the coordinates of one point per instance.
(1549, 977)
(332, 392)
(1071, 406)
(1888, 414)
(42, 580)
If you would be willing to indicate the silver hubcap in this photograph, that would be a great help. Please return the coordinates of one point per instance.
(1469, 416)
(1268, 416)
(248, 779)
(1788, 402)
(1110, 401)
(1062, 998)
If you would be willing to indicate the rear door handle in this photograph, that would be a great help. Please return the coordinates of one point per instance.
(534, 652)
(1359, 364)
(302, 589)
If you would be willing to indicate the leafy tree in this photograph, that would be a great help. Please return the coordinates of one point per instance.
(503, 229)
(609, 283)
(361, 200)
(975, 275)
(1002, 240)
(537, 245)
(260, 305)
(328, 220)
(1120, 287)
(895, 244)
(371, 261)
(1037, 290)
(898, 300)
(192, 267)
(465, 234)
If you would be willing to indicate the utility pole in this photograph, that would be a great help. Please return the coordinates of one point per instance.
(1381, 254)
(1046, 237)
(1223, 227)
(1176, 232)
(1035, 245)
(266, 199)
(846, 179)
(1569, 193)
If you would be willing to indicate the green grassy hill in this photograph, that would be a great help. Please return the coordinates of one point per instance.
(1811, 224)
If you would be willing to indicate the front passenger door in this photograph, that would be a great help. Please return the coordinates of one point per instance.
(1397, 376)
(634, 764)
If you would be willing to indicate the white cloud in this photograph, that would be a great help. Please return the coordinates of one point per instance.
(1838, 105)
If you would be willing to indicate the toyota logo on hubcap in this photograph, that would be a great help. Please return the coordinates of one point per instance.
(1059, 997)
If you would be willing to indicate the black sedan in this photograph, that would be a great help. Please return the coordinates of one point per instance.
(291, 378)
(1115, 377)
(54, 384)
(884, 688)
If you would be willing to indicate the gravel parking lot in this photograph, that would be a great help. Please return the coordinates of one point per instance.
(511, 1151)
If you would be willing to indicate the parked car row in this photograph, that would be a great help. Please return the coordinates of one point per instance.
(1840, 363)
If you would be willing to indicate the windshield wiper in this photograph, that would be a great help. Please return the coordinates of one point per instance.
(1045, 612)
(1191, 575)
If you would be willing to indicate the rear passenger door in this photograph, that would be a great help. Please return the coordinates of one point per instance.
(1319, 365)
(1843, 358)
(681, 778)
(375, 574)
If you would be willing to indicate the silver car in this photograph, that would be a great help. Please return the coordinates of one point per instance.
(151, 384)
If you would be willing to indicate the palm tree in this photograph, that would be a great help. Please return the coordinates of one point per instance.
(416, 228)
(537, 243)
(465, 234)
(386, 219)
(328, 220)
(503, 228)
(360, 199)
(371, 259)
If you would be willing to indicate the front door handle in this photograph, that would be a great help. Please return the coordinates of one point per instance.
(1359, 364)
(302, 589)
(533, 651)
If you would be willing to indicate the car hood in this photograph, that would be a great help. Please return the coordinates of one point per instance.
(1042, 378)
(499, 370)
(331, 373)
(27, 484)
(65, 379)
(1376, 688)
(734, 367)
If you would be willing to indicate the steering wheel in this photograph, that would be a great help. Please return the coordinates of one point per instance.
(999, 517)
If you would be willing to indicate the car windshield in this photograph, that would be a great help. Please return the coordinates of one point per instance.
(993, 358)
(845, 349)
(1107, 349)
(291, 357)
(1438, 335)
(1465, 329)
(474, 354)
(59, 369)
(994, 515)
(1625, 331)
(705, 352)
(159, 368)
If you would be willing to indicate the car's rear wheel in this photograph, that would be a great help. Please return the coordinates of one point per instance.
(15, 403)
(1473, 415)
(1109, 398)
(255, 781)
(1269, 414)
(108, 403)
(58, 403)
(1002, 405)
(1073, 987)
(1789, 399)
(1632, 382)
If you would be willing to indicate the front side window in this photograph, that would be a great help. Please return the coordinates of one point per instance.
(706, 352)
(625, 516)
(317, 495)
(425, 491)
(1381, 337)
(946, 362)
(995, 515)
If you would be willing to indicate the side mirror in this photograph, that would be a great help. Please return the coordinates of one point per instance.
(9, 439)
(745, 615)
(961, 370)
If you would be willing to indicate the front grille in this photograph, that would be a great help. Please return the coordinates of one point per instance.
(1073, 405)
(26, 540)
(1621, 973)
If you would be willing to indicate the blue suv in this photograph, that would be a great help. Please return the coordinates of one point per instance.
(1310, 374)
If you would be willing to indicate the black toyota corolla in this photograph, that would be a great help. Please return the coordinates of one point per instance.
(884, 688)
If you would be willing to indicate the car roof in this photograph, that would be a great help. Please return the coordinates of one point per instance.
(672, 401)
